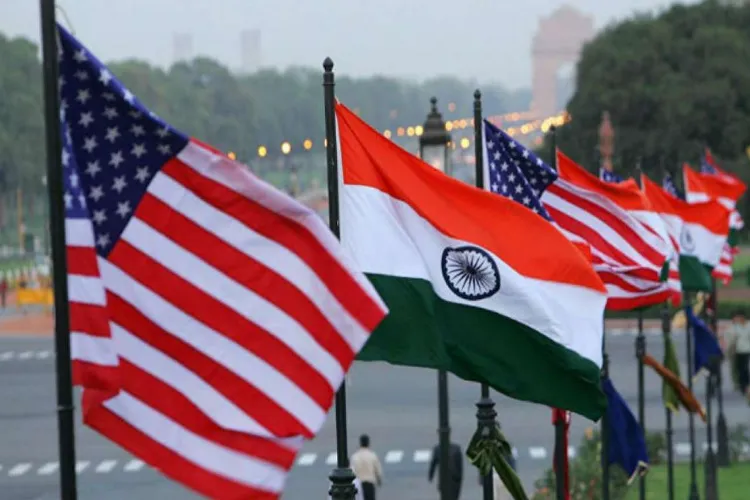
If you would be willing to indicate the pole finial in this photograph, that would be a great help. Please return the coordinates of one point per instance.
(328, 64)
(477, 94)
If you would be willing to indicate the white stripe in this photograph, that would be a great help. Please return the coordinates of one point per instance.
(20, 469)
(211, 402)
(79, 233)
(239, 179)
(237, 297)
(86, 290)
(266, 251)
(48, 468)
(106, 466)
(246, 365)
(386, 236)
(92, 349)
(202, 452)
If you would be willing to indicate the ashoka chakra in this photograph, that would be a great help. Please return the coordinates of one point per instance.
(470, 272)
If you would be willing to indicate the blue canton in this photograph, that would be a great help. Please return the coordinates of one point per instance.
(515, 172)
(112, 145)
(707, 168)
(608, 176)
(670, 187)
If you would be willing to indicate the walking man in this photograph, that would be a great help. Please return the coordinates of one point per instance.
(366, 467)
(456, 470)
(739, 346)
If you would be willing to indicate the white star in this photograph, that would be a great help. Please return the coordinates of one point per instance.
(83, 96)
(116, 158)
(93, 168)
(504, 166)
(68, 137)
(525, 153)
(128, 96)
(137, 130)
(99, 216)
(138, 150)
(135, 114)
(112, 134)
(512, 178)
(123, 209)
(504, 188)
(164, 149)
(538, 162)
(141, 174)
(105, 76)
(533, 181)
(74, 179)
(512, 144)
(491, 145)
(526, 200)
(96, 193)
(60, 82)
(80, 56)
(82, 200)
(493, 167)
(65, 157)
(81, 75)
(89, 144)
(519, 189)
(494, 186)
(86, 119)
(102, 240)
(163, 132)
(68, 200)
(109, 96)
(63, 109)
(110, 113)
(119, 184)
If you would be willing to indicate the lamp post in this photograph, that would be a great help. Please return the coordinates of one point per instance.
(434, 149)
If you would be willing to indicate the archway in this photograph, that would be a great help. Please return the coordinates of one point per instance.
(558, 41)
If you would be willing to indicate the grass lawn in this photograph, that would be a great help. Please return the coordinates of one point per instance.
(733, 482)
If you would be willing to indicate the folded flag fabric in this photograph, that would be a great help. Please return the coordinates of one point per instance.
(707, 352)
(687, 398)
(464, 295)
(627, 444)
(212, 317)
(669, 393)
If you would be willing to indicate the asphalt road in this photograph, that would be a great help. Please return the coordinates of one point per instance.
(396, 406)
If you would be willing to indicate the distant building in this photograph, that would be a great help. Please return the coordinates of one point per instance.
(250, 51)
(182, 47)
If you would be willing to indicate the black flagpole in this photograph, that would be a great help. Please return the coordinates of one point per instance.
(710, 488)
(666, 327)
(640, 352)
(342, 476)
(65, 422)
(722, 434)
(559, 423)
(693, 492)
(604, 434)
(485, 406)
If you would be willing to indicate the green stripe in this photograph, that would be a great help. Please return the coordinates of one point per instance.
(424, 330)
(694, 275)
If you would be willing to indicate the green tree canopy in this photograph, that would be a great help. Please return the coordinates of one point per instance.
(673, 84)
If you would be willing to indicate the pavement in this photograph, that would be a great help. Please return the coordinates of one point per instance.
(396, 406)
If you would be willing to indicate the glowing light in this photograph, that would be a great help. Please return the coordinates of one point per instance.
(410, 131)
(418, 130)
(307, 144)
(400, 132)
(262, 151)
(387, 133)
(465, 143)
(231, 156)
(286, 148)
(448, 126)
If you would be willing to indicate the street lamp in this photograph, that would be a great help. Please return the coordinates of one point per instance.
(434, 149)
(435, 140)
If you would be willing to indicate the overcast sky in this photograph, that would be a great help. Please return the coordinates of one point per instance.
(485, 39)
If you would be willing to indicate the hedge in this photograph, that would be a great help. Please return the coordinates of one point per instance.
(726, 310)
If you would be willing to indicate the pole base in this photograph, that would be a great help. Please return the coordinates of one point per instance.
(711, 490)
(722, 442)
(342, 487)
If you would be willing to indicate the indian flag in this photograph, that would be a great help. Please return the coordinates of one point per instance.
(475, 283)
(699, 228)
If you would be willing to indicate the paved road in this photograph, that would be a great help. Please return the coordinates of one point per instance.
(396, 406)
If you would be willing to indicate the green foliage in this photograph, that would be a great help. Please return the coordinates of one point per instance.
(725, 310)
(739, 442)
(673, 84)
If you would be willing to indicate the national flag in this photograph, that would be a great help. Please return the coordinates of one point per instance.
(673, 385)
(212, 317)
(723, 270)
(707, 352)
(627, 443)
(669, 185)
(702, 187)
(521, 313)
(629, 257)
(710, 166)
(699, 229)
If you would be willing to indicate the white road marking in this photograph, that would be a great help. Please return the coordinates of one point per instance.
(106, 466)
(682, 448)
(48, 468)
(307, 459)
(20, 469)
(422, 456)
(538, 453)
(331, 460)
(134, 465)
(82, 465)
(43, 354)
(7, 355)
(394, 456)
(25, 355)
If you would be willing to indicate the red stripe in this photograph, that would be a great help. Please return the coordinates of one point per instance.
(619, 281)
(90, 319)
(246, 396)
(246, 271)
(166, 461)
(173, 405)
(82, 261)
(287, 232)
(615, 223)
(627, 304)
(105, 378)
(217, 316)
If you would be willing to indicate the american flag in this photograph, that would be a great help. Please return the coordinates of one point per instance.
(212, 317)
(608, 176)
(670, 187)
(515, 172)
(625, 254)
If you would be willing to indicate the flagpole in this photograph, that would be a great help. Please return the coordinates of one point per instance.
(666, 327)
(640, 351)
(722, 434)
(53, 137)
(342, 477)
(710, 488)
(693, 495)
(558, 421)
(485, 406)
